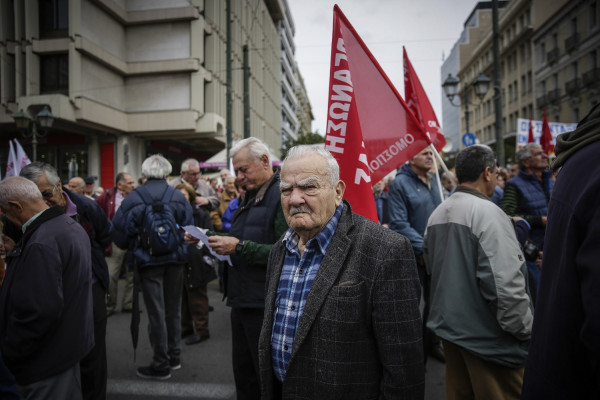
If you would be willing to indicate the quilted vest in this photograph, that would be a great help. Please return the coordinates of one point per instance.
(254, 220)
(535, 197)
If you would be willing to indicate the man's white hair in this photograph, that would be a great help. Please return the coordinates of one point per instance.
(256, 146)
(156, 167)
(333, 169)
(17, 188)
(186, 164)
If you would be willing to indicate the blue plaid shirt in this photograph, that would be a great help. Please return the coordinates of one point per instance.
(297, 276)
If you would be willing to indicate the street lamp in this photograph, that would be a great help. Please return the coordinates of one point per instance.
(24, 122)
(481, 85)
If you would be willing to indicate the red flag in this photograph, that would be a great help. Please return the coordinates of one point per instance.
(419, 104)
(370, 130)
(530, 138)
(546, 139)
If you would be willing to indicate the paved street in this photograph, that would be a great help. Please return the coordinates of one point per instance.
(206, 367)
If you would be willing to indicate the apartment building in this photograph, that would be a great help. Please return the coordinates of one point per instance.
(536, 65)
(128, 78)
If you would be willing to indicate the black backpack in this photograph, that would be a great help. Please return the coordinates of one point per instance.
(160, 234)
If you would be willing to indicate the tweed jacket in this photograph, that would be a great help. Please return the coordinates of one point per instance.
(360, 334)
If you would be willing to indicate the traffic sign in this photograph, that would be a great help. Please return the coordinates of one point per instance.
(469, 139)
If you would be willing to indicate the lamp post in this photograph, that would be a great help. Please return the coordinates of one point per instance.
(481, 85)
(24, 122)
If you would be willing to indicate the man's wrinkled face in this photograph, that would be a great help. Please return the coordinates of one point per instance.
(76, 185)
(126, 185)
(224, 175)
(251, 173)
(53, 195)
(538, 160)
(230, 185)
(192, 175)
(307, 198)
(423, 161)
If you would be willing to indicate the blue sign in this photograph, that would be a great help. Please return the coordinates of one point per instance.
(468, 139)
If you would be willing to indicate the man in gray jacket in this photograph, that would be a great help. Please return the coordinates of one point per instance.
(480, 304)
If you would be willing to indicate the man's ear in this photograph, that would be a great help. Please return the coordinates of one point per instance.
(264, 161)
(487, 174)
(340, 188)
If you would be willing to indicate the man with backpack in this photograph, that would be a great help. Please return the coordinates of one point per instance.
(148, 223)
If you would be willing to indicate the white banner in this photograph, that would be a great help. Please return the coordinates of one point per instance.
(555, 127)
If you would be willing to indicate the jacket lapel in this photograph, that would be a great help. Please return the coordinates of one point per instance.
(331, 265)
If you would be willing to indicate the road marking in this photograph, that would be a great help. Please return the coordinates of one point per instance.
(171, 389)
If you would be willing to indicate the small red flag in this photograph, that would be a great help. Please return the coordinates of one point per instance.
(530, 138)
(419, 104)
(370, 130)
(546, 139)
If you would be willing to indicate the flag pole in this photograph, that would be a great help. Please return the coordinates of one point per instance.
(437, 174)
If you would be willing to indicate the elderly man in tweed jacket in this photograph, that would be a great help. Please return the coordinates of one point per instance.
(341, 315)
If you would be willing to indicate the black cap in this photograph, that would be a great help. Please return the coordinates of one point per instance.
(90, 180)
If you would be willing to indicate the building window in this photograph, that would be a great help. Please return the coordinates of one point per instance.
(54, 18)
(54, 74)
(593, 17)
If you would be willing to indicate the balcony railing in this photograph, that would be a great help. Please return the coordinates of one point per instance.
(592, 77)
(573, 86)
(552, 56)
(542, 101)
(571, 42)
(553, 95)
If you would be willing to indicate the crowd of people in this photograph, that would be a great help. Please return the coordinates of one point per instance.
(490, 271)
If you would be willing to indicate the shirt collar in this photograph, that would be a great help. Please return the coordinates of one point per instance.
(30, 220)
(323, 238)
(71, 208)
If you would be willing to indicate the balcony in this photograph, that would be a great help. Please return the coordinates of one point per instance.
(573, 86)
(571, 42)
(552, 56)
(542, 101)
(553, 95)
(592, 77)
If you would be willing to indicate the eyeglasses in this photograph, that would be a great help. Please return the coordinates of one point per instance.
(192, 173)
(48, 194)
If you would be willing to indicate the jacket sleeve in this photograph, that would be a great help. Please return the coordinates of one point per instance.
(102, 226)
(510, 205)
(397, 322)
(398, 216)
(32, 319)
(502, 274)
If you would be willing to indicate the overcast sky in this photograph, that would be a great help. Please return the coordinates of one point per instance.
(427, 28)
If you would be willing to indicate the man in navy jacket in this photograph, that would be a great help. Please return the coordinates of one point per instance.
(99, 230)
(161, 276)
(46, 323)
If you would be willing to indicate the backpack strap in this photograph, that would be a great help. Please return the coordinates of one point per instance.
(168, 195)
(144, 195)
(147, 198)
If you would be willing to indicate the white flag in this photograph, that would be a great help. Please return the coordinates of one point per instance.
(11, 167)
(22, 159)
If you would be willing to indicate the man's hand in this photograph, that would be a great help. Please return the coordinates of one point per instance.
(189, 239)
(223, 245)
(201, 201)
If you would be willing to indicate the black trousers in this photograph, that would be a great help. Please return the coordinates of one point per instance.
(93, 366)
(245, 331)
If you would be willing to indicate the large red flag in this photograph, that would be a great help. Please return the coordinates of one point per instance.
(530, 138)
(419, 104)
(370, 130)
(546, 139)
